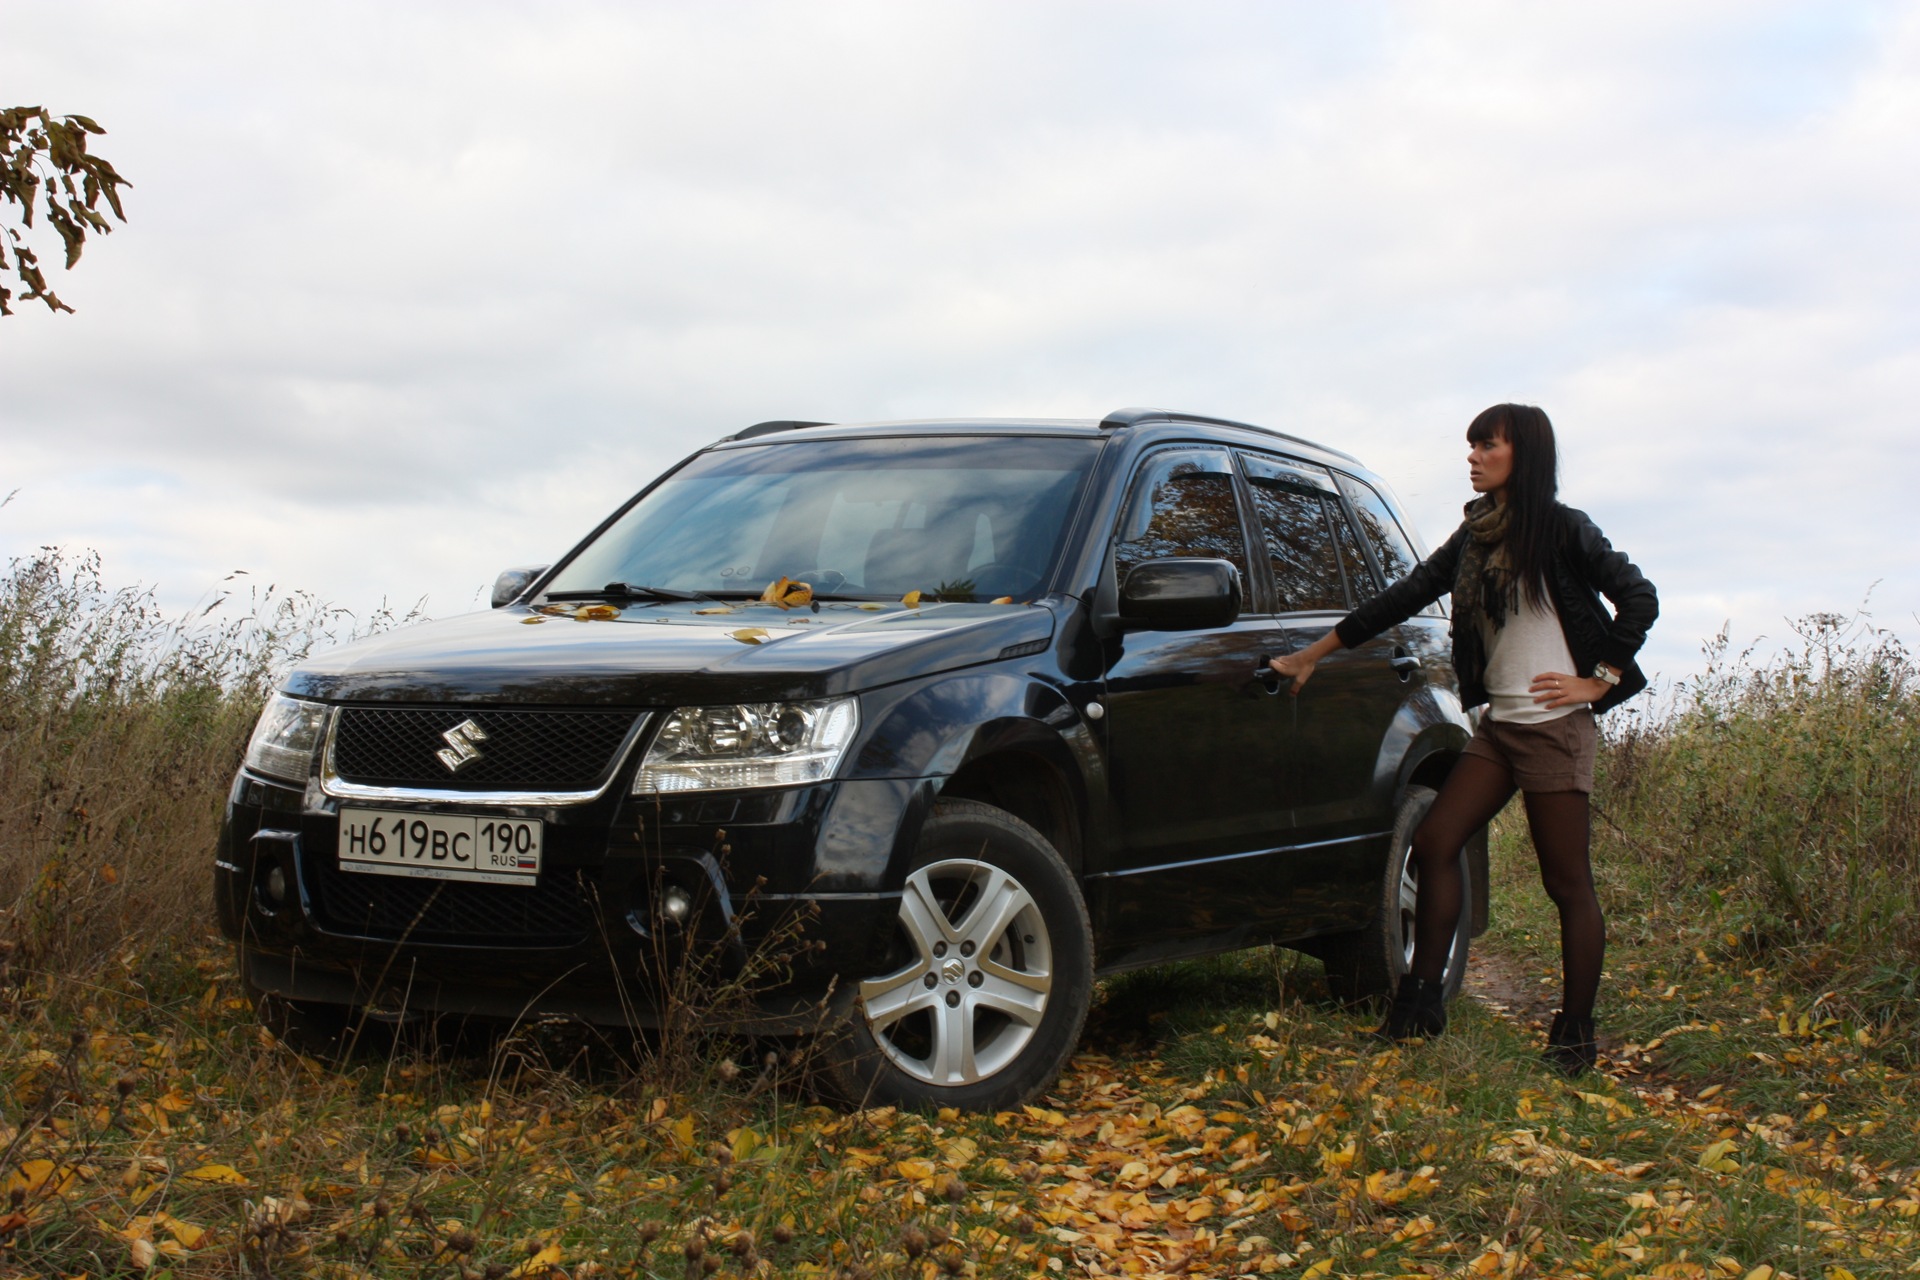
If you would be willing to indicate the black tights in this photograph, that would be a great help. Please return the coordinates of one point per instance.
(1474, 792)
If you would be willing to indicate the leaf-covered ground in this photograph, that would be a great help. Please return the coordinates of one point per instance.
(1220, 1121)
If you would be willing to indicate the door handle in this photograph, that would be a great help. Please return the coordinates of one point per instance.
(1269, 678)
(1404, 663)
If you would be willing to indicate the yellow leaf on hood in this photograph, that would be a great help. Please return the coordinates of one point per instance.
(911, 599)
(749, 635)
(787, 594)
(1002, 600)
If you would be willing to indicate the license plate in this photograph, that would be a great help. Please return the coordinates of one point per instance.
(440, 846)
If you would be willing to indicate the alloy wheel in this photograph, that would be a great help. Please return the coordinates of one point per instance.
(976, 977)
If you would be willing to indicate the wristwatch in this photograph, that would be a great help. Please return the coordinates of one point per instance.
(1601, 671)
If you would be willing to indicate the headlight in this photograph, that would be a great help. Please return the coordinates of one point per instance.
(758, 744)
(284, 740)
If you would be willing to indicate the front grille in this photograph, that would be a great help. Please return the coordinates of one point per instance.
(554, 912)
(521, 750)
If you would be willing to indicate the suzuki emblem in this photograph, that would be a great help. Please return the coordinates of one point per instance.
(460, 750)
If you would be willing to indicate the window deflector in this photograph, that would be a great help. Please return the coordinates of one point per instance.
(1273, 473)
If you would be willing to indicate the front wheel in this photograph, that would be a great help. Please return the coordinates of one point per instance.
(988, 979)
(1367, 964)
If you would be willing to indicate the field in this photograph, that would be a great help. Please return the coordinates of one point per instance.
(1759, 850)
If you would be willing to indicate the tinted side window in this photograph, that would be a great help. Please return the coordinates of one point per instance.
(1360, 583)
(1301, 552)
(1182, 504)
(1391, 550)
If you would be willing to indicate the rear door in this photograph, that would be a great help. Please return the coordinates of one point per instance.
(1342, 717)
(1333, 727)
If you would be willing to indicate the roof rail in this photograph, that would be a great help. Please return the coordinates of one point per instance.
(768, 428)
(1122, 418)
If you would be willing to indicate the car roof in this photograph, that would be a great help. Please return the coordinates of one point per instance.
(1222, 429)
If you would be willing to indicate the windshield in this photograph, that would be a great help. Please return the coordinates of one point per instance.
(955, 517)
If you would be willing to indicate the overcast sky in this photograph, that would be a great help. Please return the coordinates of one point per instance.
(410, 292)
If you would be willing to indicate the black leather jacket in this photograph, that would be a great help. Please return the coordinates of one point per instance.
(1585, 567)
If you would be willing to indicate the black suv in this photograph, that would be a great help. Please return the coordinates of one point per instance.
(961, 714)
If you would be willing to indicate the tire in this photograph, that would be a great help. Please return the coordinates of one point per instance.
(995, 920)
(1365, 966)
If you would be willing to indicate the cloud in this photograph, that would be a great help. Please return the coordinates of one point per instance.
(413, 293)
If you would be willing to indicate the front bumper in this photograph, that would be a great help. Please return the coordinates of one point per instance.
(790, 890)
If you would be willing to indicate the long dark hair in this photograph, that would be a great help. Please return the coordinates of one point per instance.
(1533, 529)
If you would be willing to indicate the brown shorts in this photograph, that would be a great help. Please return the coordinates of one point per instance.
(1556, 755)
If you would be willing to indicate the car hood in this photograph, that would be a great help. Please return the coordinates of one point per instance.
(643, 654)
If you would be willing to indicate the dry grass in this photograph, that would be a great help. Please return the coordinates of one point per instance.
(1775, 807)
(120, 729)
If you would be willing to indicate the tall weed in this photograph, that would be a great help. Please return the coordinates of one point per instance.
(120, 728)
(1780, 799)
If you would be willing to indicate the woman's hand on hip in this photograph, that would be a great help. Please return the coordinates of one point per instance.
(1556, 689)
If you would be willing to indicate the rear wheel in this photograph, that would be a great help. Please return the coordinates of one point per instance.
(988, 979)
(1366, 965)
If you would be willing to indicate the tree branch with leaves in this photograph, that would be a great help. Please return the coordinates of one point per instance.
(45, 164)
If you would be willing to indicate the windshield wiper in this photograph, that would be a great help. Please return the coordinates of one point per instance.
(626, 591)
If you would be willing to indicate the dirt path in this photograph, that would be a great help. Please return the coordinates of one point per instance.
(1511, 990)
(1505, 986)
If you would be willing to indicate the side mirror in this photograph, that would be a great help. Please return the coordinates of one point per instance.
(1180, 594)
(511, 582)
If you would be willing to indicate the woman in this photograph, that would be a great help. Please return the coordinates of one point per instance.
(1531, 638)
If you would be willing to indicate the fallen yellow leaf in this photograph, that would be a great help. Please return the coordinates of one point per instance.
(749, 635)
(34, 1177)
(682, 1132)
(143, 1253)
(911, 599)
(222, 1173)
(539, 1263)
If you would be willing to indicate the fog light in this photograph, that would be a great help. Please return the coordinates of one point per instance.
(676, 904)
(277, 886)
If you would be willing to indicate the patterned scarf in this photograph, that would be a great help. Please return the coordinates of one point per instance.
(1483, 583)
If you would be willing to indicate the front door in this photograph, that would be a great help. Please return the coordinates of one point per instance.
(1196, 738)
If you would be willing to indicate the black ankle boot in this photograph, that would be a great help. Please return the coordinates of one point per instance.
(1570, 1046)
(1419, 1008)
